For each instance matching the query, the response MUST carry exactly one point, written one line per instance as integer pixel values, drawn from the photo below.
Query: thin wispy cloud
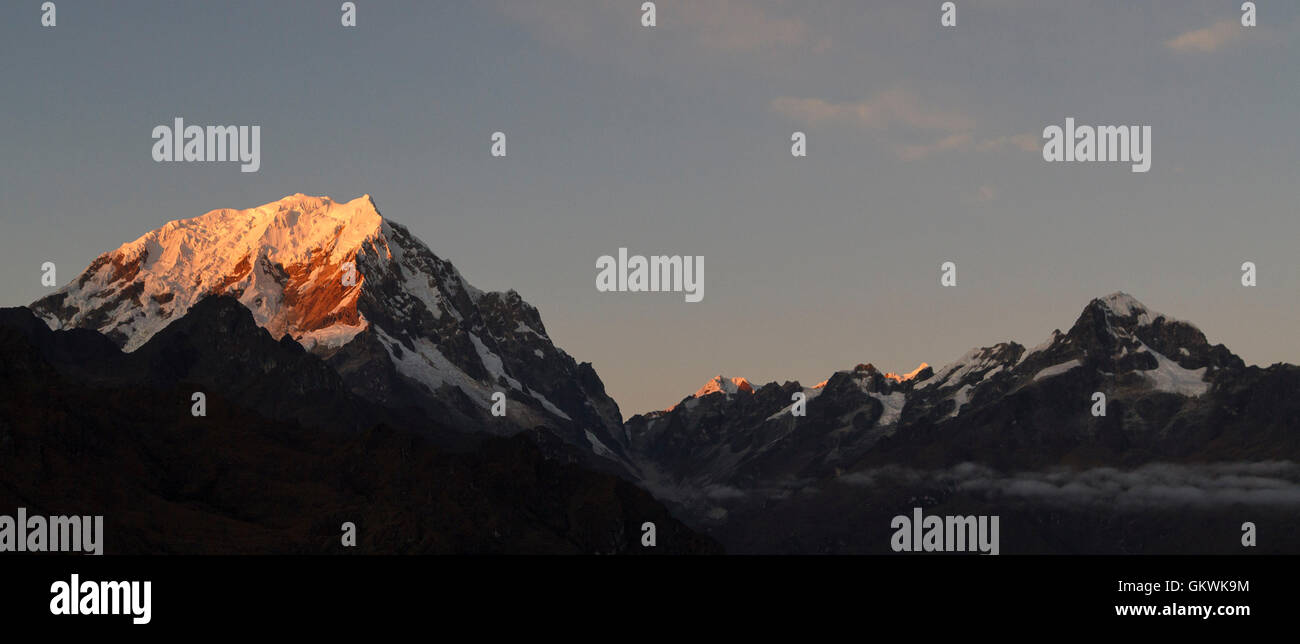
(904, 111)
(1209, 39)
(965, 141)
(731, 26)
(952, 142)
(746, 26)
(883, 110)
(1023, 142)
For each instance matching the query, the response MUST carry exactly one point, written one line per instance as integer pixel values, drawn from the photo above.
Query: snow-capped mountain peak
(1117, 335)
(358, 290)
(1125, 306)
(722, 384)
(718, 384)
(283, 260)
(911, 375)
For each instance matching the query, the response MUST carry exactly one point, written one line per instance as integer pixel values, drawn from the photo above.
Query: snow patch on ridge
(960, 398)
(1043, 346)
(1057, 369)
(492, 362)
(548, 405)
(1169, 376)
(808, 392)
(426, 365)
(975, 360)
(599, 448)
(893, 407)
(332, 337)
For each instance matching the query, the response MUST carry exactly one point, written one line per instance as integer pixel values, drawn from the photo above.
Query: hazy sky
(924, 147)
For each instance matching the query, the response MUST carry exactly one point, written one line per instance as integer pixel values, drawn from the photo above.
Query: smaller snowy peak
(1117, 334)
(1126, 307)
(722, 384)
(867, 378)
(1109, 326)
(1114, 328)
(719, 384)
(911, 375)
(1125, 311)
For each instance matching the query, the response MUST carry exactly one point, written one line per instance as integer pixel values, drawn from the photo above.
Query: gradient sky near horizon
(924, 146)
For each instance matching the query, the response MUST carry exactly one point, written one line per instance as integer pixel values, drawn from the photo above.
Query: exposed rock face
(284, 456)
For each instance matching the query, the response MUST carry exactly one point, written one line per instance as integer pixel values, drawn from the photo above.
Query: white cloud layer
(1157, 484)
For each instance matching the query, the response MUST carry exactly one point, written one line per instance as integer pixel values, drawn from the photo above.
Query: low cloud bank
(1164, 484)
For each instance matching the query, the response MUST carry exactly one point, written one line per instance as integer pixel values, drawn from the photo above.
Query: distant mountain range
(319, 371)
(741, 462)
(1004, 404)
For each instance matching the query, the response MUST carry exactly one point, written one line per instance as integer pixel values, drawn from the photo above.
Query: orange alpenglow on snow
(724, 385)
(905, 377)
(287, 261)
(721, 384)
